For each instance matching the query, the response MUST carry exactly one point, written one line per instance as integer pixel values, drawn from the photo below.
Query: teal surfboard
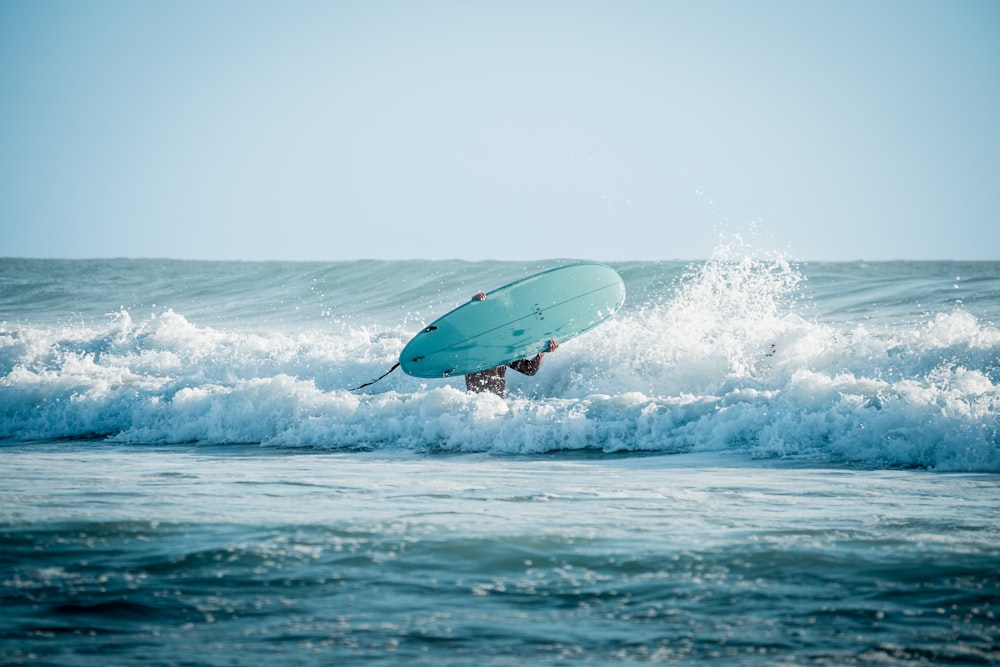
(515, 321)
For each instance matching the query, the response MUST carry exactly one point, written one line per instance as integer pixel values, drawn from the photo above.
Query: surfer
(495, 379)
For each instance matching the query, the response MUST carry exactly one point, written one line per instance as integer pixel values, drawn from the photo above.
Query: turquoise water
(755, 462)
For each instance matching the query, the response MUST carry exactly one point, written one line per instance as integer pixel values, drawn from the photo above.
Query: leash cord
(367, 384)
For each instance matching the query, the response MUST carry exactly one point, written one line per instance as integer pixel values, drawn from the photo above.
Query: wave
(727, 355)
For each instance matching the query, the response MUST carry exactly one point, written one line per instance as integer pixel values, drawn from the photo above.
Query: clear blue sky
(234, 129)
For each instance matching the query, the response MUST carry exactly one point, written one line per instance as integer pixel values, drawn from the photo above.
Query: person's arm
(531, 366)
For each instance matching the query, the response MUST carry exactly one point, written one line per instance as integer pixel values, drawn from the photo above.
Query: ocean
(756, 462)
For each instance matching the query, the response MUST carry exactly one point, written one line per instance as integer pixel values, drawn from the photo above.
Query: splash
(720, 324)
(716, 357)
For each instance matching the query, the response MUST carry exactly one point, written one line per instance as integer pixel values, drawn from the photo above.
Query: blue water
(756, 462)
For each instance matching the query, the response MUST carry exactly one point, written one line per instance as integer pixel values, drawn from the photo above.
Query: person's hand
(479, 297)
(552, 345)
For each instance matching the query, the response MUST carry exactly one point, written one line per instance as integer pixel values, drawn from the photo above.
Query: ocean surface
(756, 462)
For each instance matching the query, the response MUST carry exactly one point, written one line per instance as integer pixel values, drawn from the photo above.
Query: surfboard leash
(367, 384)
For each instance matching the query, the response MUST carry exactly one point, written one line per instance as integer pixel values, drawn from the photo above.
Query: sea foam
(730, 355)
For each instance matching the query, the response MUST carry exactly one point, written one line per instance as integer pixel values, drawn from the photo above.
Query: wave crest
(719, 358)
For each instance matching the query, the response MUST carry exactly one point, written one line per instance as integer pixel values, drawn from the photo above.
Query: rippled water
(755, 462)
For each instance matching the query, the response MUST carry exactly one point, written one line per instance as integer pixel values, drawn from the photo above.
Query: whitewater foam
(733, 354)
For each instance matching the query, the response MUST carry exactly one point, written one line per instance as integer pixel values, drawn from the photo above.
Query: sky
(617, 130)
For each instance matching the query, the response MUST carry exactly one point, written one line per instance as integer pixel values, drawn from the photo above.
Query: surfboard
(515, 321)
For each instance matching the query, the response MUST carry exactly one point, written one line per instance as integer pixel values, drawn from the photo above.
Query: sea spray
(739, 353)
(756, 462)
